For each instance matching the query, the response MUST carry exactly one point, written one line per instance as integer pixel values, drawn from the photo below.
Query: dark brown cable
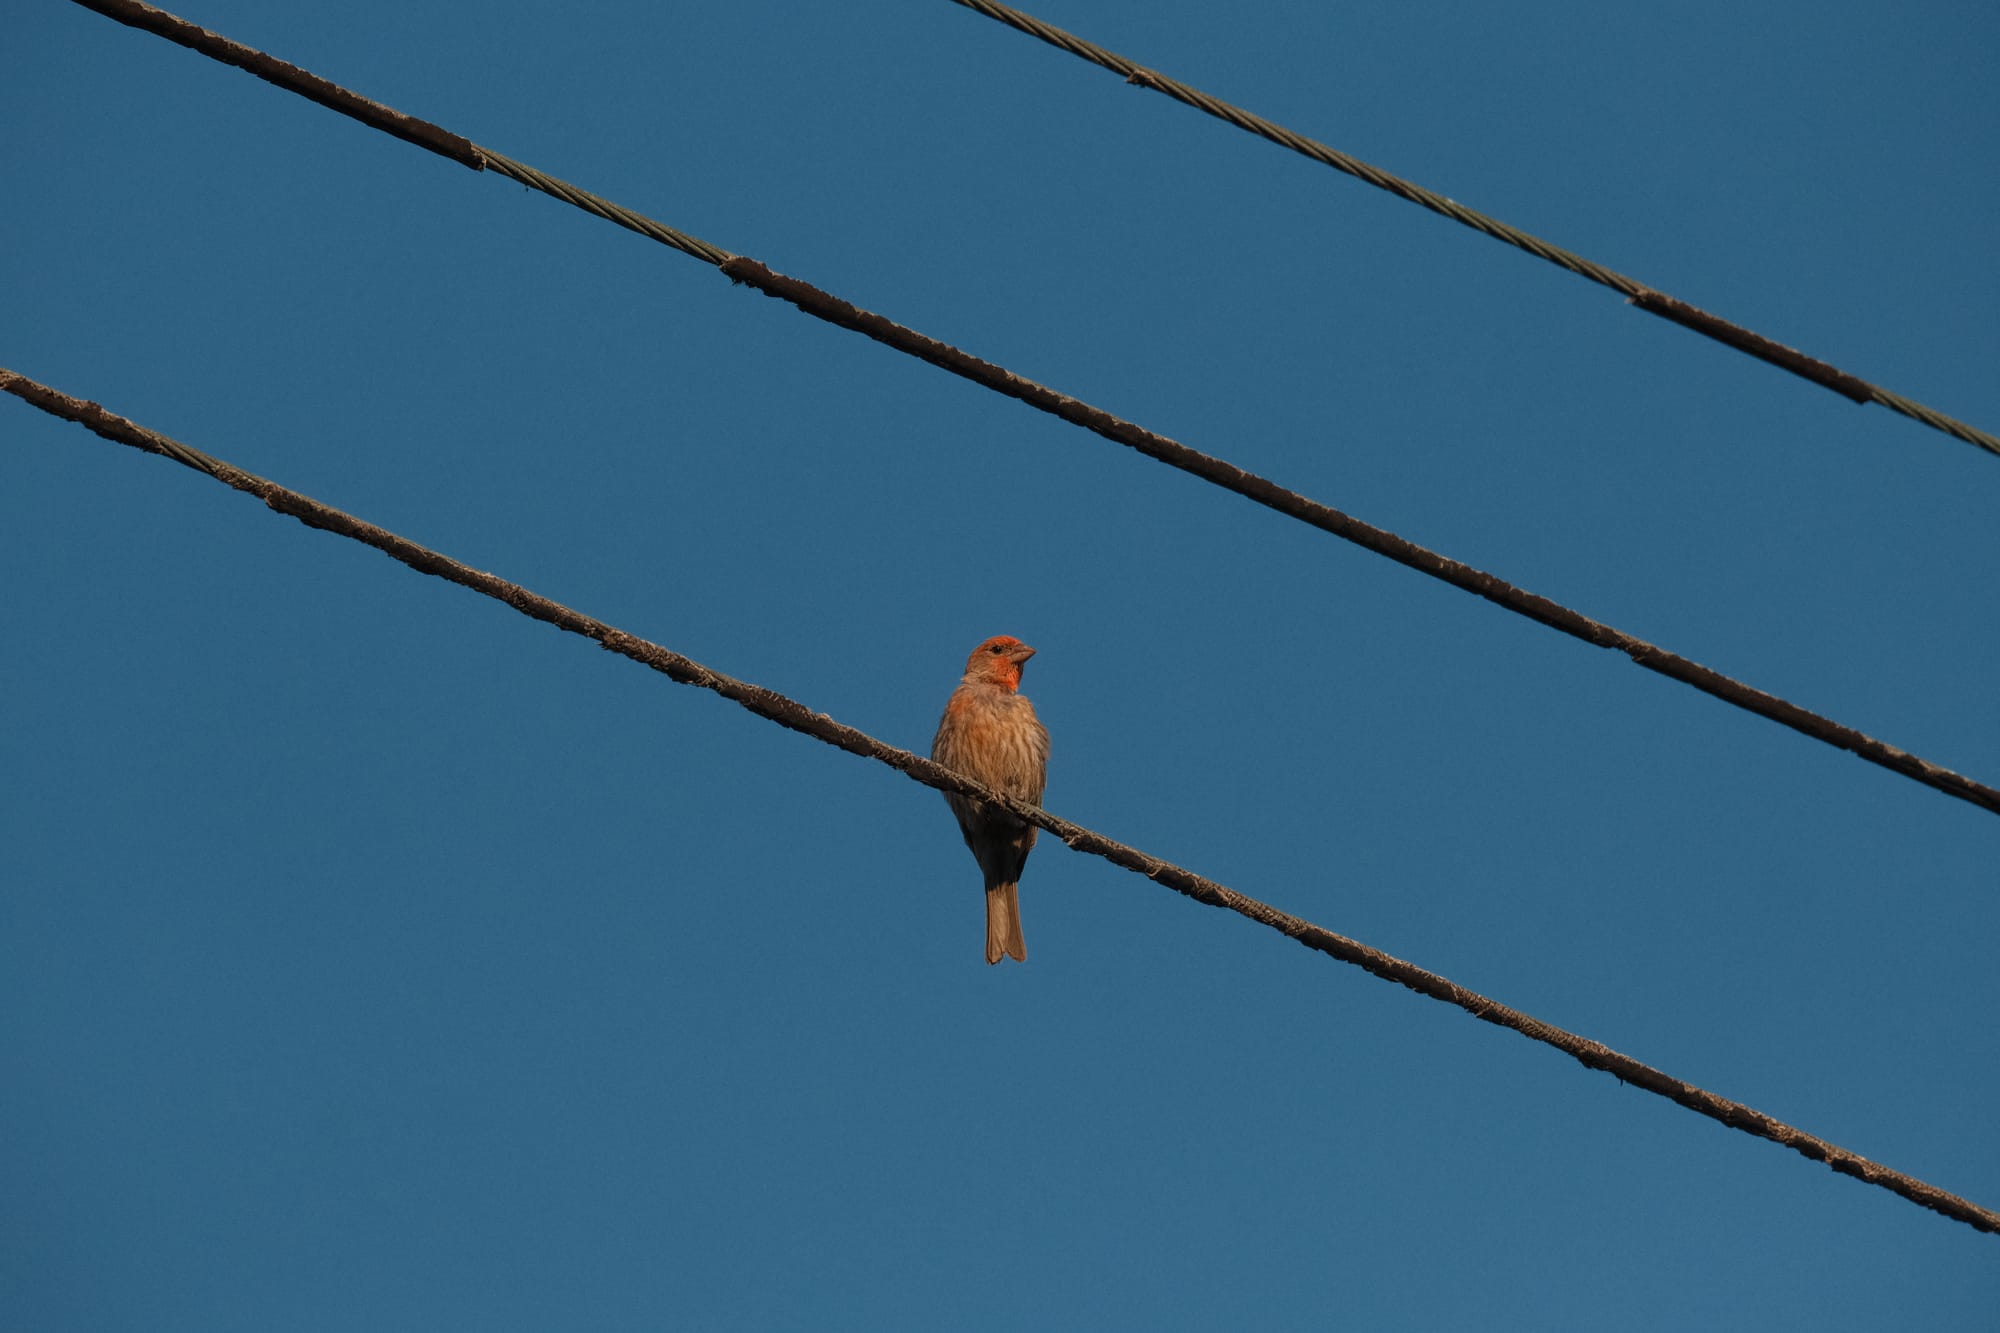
(824, 306)
(786, 712)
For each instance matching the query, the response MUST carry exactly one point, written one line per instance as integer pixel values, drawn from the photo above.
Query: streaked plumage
(990, 733)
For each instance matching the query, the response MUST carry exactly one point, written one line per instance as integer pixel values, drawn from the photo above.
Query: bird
(990, 733)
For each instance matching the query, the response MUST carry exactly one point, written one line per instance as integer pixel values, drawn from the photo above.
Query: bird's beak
(1020, 653)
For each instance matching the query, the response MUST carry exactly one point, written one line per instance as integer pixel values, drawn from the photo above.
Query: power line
(459, 149)
(1216, 471)
(1640, 295)
(787, 712)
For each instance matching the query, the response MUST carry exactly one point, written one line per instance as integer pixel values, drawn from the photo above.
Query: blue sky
(373, 957)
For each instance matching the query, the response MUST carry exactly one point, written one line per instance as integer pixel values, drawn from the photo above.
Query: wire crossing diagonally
(1640, 295)
(787, 712)
(1216, 471)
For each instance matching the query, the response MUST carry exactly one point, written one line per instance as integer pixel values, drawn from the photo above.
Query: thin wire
(1216, 471)
(1327, 519)
(459, 149)
(787, 712)
(1640, 295)
(599, 206)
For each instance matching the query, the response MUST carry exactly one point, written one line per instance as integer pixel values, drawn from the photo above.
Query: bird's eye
(994, 649)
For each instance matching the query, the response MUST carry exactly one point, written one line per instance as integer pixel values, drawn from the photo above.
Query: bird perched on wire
(990, 733)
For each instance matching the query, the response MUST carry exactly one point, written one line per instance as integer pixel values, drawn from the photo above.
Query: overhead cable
(787, 712)
(1640, 295)
(1216, 471)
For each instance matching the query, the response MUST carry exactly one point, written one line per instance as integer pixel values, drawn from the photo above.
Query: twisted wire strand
(1645, 298)
(787, 712)
(605, 208)
(1216, 471)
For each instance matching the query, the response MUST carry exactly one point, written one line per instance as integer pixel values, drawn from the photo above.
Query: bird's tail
(1003, 923)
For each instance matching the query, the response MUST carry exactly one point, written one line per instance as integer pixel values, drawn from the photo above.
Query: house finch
(990, 733)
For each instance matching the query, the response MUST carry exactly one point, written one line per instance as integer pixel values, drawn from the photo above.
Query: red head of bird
(998, 661)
